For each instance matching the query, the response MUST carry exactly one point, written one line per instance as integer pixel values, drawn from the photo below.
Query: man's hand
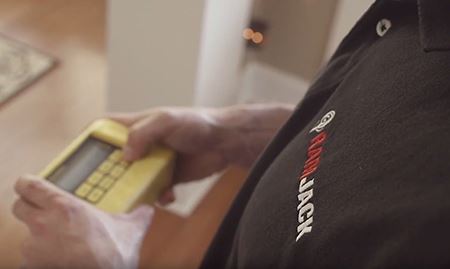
(66, 232)
(206, 140)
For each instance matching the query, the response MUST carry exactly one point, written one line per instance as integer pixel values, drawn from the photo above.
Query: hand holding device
(66, 232)
(92, 168)
(207, 140)
(195, 134)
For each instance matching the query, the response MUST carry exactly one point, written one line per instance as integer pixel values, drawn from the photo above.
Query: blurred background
(64, 63)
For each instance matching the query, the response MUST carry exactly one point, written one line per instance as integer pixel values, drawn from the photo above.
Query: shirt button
(383, 26)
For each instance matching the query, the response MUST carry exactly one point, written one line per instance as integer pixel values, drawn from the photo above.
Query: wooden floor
(39, 122)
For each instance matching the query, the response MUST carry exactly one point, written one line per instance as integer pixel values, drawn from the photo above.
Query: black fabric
(380, 167)
(434, 23)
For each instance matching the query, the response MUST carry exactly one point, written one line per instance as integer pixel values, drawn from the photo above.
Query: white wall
(153, 48)
(222, 51)
(346, 15)
(263, 83)
(297, 34)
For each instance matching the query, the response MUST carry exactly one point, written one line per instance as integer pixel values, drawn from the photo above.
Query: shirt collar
(434, 24)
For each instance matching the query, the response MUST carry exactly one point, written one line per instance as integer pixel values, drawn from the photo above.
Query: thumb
(38, 191)
(145, 133)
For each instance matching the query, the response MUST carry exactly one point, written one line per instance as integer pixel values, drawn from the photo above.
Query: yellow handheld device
(91, 168)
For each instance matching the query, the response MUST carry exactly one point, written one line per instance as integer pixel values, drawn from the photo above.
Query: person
(358, 175)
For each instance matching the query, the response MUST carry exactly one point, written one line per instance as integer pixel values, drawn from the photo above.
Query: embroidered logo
(320, 125)
(305, 206)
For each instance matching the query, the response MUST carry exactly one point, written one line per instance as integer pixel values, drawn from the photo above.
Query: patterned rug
(20, 65)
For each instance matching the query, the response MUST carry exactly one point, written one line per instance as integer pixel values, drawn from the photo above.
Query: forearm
(245, 130)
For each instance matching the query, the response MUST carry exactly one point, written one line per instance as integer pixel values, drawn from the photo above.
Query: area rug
(20, 65)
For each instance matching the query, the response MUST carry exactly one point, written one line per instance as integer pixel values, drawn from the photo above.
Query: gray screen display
(81, 164)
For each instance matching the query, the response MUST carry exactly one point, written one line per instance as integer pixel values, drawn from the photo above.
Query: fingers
(40, 201)
(144, 133)
(29, 215)
(32, 190)
(24, 211)
(36, 191)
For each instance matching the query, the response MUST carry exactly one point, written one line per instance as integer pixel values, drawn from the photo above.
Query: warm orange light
(258, 37)
(248, 33)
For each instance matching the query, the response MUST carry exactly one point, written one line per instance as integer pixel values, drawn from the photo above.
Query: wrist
(243, 131)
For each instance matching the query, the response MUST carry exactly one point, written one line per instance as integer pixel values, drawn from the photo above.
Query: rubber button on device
(117, 171)
(105, 167)
(83, 190)
(95, 195)
(107, 182)
(94, 178)
(116, 156)
(124, 164)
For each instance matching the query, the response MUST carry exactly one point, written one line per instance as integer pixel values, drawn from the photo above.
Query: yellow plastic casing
(142, 182)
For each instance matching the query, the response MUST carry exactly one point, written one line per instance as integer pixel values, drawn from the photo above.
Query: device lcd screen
(70, 174)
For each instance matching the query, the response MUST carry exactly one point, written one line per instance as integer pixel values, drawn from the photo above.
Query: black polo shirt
(359, 176)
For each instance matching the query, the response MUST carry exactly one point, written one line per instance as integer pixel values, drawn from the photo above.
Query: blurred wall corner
(153, 49)
(193, 52)
(298, 32)
(292, 51)
(222, 52)
(262, 83)
(293, 47)
(347, 13)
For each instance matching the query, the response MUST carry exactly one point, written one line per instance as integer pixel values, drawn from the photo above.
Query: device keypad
(83, 190)
(95, 178)
(105, 167)
(116, 156)
(106, 182)
(117, 171)
(103, 178)
(95, 195)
